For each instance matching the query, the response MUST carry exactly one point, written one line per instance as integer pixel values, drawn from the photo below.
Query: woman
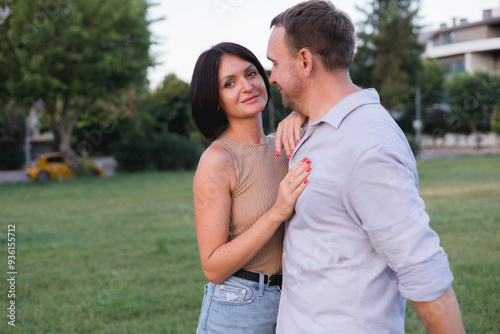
(242, 193)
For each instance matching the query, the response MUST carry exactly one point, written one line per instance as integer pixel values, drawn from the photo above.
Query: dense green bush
(495, 120)
(159, 134)
(12, 156)
(472, 99)
(11, 140)
(178, 152)
(167, 151)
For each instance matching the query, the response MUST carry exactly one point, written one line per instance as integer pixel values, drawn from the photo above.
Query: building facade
(466, 46)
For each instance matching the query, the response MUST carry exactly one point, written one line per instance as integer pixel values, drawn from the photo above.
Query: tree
(431, 82)
(388, 53)
(495, 123)
(431, 79)
(495, 120)
(71, 53)
(169, 108)
(158, 136)
(11, 138)
(472, 98)
(97, 128)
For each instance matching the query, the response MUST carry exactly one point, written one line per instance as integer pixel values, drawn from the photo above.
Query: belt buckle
(272, 279)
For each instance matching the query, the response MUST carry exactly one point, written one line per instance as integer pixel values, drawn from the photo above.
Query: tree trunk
(64, 127)
(70, 155)
(477, 135)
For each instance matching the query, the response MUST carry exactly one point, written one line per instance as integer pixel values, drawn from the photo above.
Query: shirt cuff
(427, 281)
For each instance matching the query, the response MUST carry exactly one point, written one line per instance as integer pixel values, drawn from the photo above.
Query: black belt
(253, 276)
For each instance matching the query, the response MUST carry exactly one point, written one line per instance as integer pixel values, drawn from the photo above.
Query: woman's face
(242, 91)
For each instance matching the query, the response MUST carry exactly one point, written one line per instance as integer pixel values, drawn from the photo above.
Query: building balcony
(448, 50)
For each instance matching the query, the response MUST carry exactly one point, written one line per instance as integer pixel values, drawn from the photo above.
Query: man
(359, 243)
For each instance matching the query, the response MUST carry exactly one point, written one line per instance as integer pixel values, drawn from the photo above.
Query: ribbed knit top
(259, 173)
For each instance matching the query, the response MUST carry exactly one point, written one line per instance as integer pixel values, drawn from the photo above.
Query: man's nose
(272, 80)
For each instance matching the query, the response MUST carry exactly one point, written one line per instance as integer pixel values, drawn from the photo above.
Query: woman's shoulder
(216, 155)
(215, 160)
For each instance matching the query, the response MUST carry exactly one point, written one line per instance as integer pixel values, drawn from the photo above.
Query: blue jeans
(239, 306)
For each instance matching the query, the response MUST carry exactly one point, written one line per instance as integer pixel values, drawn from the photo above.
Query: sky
(183, 29)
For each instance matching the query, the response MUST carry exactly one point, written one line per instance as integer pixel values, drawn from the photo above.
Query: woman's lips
(250, 98)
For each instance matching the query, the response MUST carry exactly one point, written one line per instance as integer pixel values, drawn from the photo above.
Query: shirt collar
(349, 103)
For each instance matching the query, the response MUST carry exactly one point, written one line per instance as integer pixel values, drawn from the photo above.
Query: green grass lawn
(119, 254)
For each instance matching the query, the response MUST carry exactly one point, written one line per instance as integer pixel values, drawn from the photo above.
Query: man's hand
(288, 133)
(441, 316)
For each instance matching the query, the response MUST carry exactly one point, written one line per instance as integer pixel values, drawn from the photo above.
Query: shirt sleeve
(383, 198)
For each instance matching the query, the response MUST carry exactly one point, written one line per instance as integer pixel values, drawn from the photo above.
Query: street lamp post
(417, 123)
(27, 141)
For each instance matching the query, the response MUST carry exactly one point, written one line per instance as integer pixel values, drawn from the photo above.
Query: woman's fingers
(302, 185)
(285, 134)
(288, 133)
(291, 134)
(296, 133)
(298, 174)
(291, 187)
(278, 143)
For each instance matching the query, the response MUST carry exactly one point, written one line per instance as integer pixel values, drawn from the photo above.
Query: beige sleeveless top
(259, 173)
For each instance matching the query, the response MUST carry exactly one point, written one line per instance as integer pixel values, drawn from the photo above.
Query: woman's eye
(228, 84)
(252, 74)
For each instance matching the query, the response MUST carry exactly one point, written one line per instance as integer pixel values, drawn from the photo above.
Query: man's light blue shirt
(359, 242)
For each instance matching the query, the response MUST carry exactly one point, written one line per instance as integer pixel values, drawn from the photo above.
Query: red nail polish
(288, 156)
(308, 170)
(297, 142)
(292, 151)
(308, 161)
(305, 181)
(304, 160)
(277, 153)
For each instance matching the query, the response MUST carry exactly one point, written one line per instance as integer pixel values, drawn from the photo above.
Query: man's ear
(306, 60)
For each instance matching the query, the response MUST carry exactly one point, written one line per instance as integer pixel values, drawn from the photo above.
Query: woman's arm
(212, 185)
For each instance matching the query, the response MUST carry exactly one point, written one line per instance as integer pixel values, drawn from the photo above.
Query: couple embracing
(356, 243)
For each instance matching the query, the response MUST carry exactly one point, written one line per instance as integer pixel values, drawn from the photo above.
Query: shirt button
(222, 287)
(244, 291)
(284, 255)
(293, 160)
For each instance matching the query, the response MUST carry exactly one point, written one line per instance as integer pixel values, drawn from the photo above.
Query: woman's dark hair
(204, 95)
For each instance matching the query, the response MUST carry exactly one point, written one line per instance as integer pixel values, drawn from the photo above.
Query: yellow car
(52, 166)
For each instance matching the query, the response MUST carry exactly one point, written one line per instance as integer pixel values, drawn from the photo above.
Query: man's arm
(442, 315)
(382, 194)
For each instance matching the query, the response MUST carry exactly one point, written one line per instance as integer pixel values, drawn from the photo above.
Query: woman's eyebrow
(233, 75)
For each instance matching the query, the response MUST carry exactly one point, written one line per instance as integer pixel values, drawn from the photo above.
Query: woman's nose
(247, 85)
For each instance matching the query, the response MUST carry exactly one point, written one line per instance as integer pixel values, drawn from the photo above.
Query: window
(55, 159)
